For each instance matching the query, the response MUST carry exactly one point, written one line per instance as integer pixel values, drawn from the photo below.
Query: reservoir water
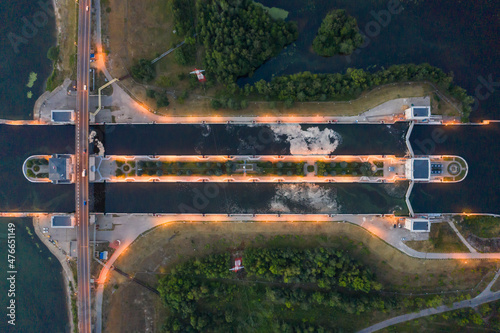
(39, 286)
(19, 59)
(457, 36)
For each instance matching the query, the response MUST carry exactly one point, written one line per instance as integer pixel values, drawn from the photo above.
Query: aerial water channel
(476, 143)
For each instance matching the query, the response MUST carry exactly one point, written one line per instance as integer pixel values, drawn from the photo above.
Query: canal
(477, 144)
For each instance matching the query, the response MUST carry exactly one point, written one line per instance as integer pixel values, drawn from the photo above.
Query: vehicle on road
(84, 87)
(84, 172)
(87, 9)
(85, 203)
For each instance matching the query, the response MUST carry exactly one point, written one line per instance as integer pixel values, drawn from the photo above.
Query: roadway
(82, 161)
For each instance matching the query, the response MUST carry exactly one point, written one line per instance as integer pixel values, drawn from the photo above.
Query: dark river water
(479, 191)
(457, 36)
(247, 140)
(479, 145)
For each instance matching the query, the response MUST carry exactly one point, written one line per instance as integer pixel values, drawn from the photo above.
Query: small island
(338, 34)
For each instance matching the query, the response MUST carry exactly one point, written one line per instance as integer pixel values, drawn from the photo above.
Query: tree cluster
(323, 266)
(239, 36)
(306, 86)
(338, 34)
(184, 15)
(143, 71)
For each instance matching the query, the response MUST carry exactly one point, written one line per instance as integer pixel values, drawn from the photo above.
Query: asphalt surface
(82, 162)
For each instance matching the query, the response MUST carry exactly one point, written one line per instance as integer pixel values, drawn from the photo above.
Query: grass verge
(442, 239)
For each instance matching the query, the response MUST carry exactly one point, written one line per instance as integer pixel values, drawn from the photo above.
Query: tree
(143, 71)
(53, 53)
(161, 99)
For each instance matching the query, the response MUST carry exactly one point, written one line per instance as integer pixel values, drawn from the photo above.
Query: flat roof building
(60, 169)
(61, 221)
(62, 116)
(418, 169)
(418, 113)
(418, 225)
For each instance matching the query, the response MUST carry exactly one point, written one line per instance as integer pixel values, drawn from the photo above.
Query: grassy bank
(64, 66)
(479, 225)
(442, 239)
(164, 247)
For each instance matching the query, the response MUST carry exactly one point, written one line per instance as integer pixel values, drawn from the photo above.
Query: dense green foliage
(322, 266)
(161, 99)
(203, 296)
(306, 86)
(185, 55)
(53, 53)
(143, 71)
(239, 36)
(184, 15)
(338, 34)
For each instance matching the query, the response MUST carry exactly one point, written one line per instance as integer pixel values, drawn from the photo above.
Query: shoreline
(66, 270)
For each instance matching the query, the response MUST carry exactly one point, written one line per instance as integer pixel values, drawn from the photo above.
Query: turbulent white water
(311, 141)
(310, 198)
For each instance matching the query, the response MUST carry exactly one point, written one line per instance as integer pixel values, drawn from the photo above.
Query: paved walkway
(485, 297)
(466, 243)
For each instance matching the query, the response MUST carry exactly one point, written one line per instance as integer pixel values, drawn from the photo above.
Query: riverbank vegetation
(306, 86)
(232, 41)
(64, 60)
(338, 34)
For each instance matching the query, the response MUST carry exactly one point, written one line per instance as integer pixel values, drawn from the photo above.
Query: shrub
(343, 165)
(216, 104)
(30, 173)
(143, 71)
(150, 93)
(310, 168)
(29, 164)
(36, 168)
(53, 53)
(161, 99)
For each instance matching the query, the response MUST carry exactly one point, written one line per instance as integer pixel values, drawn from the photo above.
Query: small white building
(417, 224)
(418, 113)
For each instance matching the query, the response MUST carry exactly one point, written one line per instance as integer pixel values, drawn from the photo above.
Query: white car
(87, 8)
(84, 87)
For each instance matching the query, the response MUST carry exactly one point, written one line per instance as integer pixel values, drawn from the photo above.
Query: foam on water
(304, 198)
(311, 141)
